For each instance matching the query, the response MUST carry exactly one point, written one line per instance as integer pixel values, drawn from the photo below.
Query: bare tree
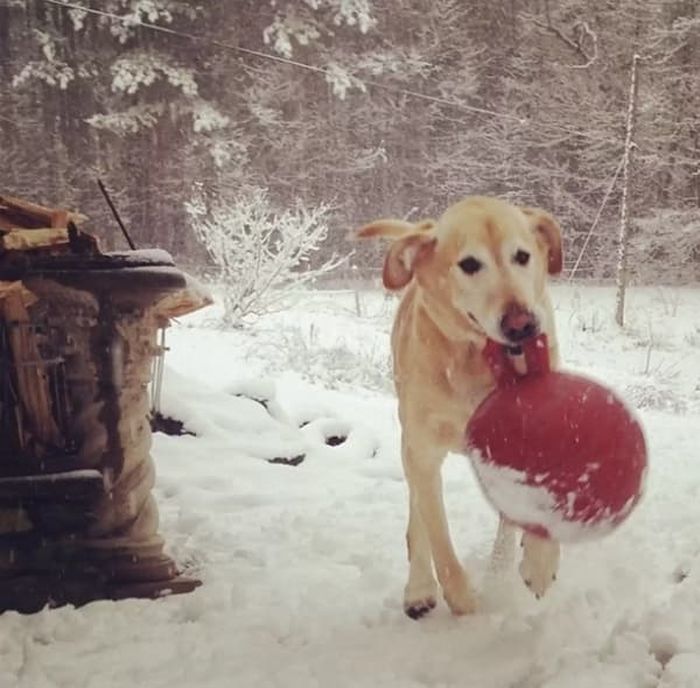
(623, 247)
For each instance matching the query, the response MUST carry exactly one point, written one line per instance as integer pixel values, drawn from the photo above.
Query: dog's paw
(419, 600)
(540, 563)
(460, 596)
(419, 608)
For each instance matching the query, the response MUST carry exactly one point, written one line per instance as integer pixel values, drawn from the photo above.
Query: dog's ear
(411, 244)
(393, 229)
(403, 258)
(548, 232)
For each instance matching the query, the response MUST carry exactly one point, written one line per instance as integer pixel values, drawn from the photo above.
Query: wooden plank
(70, 486)
(28, 592)
(193, 297)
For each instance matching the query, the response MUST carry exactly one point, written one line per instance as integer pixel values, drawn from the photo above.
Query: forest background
(364, 108)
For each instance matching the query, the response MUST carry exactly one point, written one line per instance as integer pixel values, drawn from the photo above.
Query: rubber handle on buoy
(536, 353)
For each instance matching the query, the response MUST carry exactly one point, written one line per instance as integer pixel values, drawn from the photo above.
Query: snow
(144, 256)
(537, 506)
(304, 567)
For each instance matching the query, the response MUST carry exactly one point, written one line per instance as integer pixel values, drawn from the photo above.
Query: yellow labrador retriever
(478, 272)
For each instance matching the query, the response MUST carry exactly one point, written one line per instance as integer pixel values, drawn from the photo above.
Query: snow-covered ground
(304, 566)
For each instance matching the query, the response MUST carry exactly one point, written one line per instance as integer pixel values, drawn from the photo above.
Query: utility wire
(325, 72)
(283, 60)
(368, 82)
(594, 224)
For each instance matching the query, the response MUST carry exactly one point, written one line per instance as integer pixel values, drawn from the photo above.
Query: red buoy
(556, 453)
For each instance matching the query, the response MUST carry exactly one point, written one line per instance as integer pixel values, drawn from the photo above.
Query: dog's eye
(470, 265)
(522, 257)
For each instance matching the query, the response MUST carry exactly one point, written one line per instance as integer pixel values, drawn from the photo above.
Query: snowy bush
(261, 253)
(666, 248)
(655, 397)
(692, 337)
(340, 365)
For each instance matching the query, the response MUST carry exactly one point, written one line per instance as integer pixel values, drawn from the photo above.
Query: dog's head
(483, 265)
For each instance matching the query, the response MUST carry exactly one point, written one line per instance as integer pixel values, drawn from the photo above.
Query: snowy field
(304, 566)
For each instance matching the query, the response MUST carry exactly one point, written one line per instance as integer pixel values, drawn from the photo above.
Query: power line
(322, 70)
(287, 61)
(325, 72)
(611, 186)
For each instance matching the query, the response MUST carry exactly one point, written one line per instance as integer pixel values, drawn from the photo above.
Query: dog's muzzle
(518, 324)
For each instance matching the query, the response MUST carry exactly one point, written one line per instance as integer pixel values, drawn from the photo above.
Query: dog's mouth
(482, 330)
(478, 326)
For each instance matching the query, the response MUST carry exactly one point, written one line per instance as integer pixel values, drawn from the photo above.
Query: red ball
(559, 455)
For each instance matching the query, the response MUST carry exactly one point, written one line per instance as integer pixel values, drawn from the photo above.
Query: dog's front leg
(420, 593)
(428, 529)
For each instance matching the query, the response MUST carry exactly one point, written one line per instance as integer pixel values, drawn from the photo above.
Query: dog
(479, 272)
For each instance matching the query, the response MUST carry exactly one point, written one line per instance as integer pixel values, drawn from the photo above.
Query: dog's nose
(518, 323)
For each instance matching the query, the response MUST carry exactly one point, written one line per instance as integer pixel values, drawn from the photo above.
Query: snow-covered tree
(261, 253)
(538, 92)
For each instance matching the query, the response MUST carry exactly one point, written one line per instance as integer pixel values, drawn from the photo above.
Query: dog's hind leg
(497, 586)
(503, 552)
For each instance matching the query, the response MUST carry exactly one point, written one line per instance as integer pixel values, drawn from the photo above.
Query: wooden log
(35, 239)
(18, 213)
(17, 288)
(31, 377)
